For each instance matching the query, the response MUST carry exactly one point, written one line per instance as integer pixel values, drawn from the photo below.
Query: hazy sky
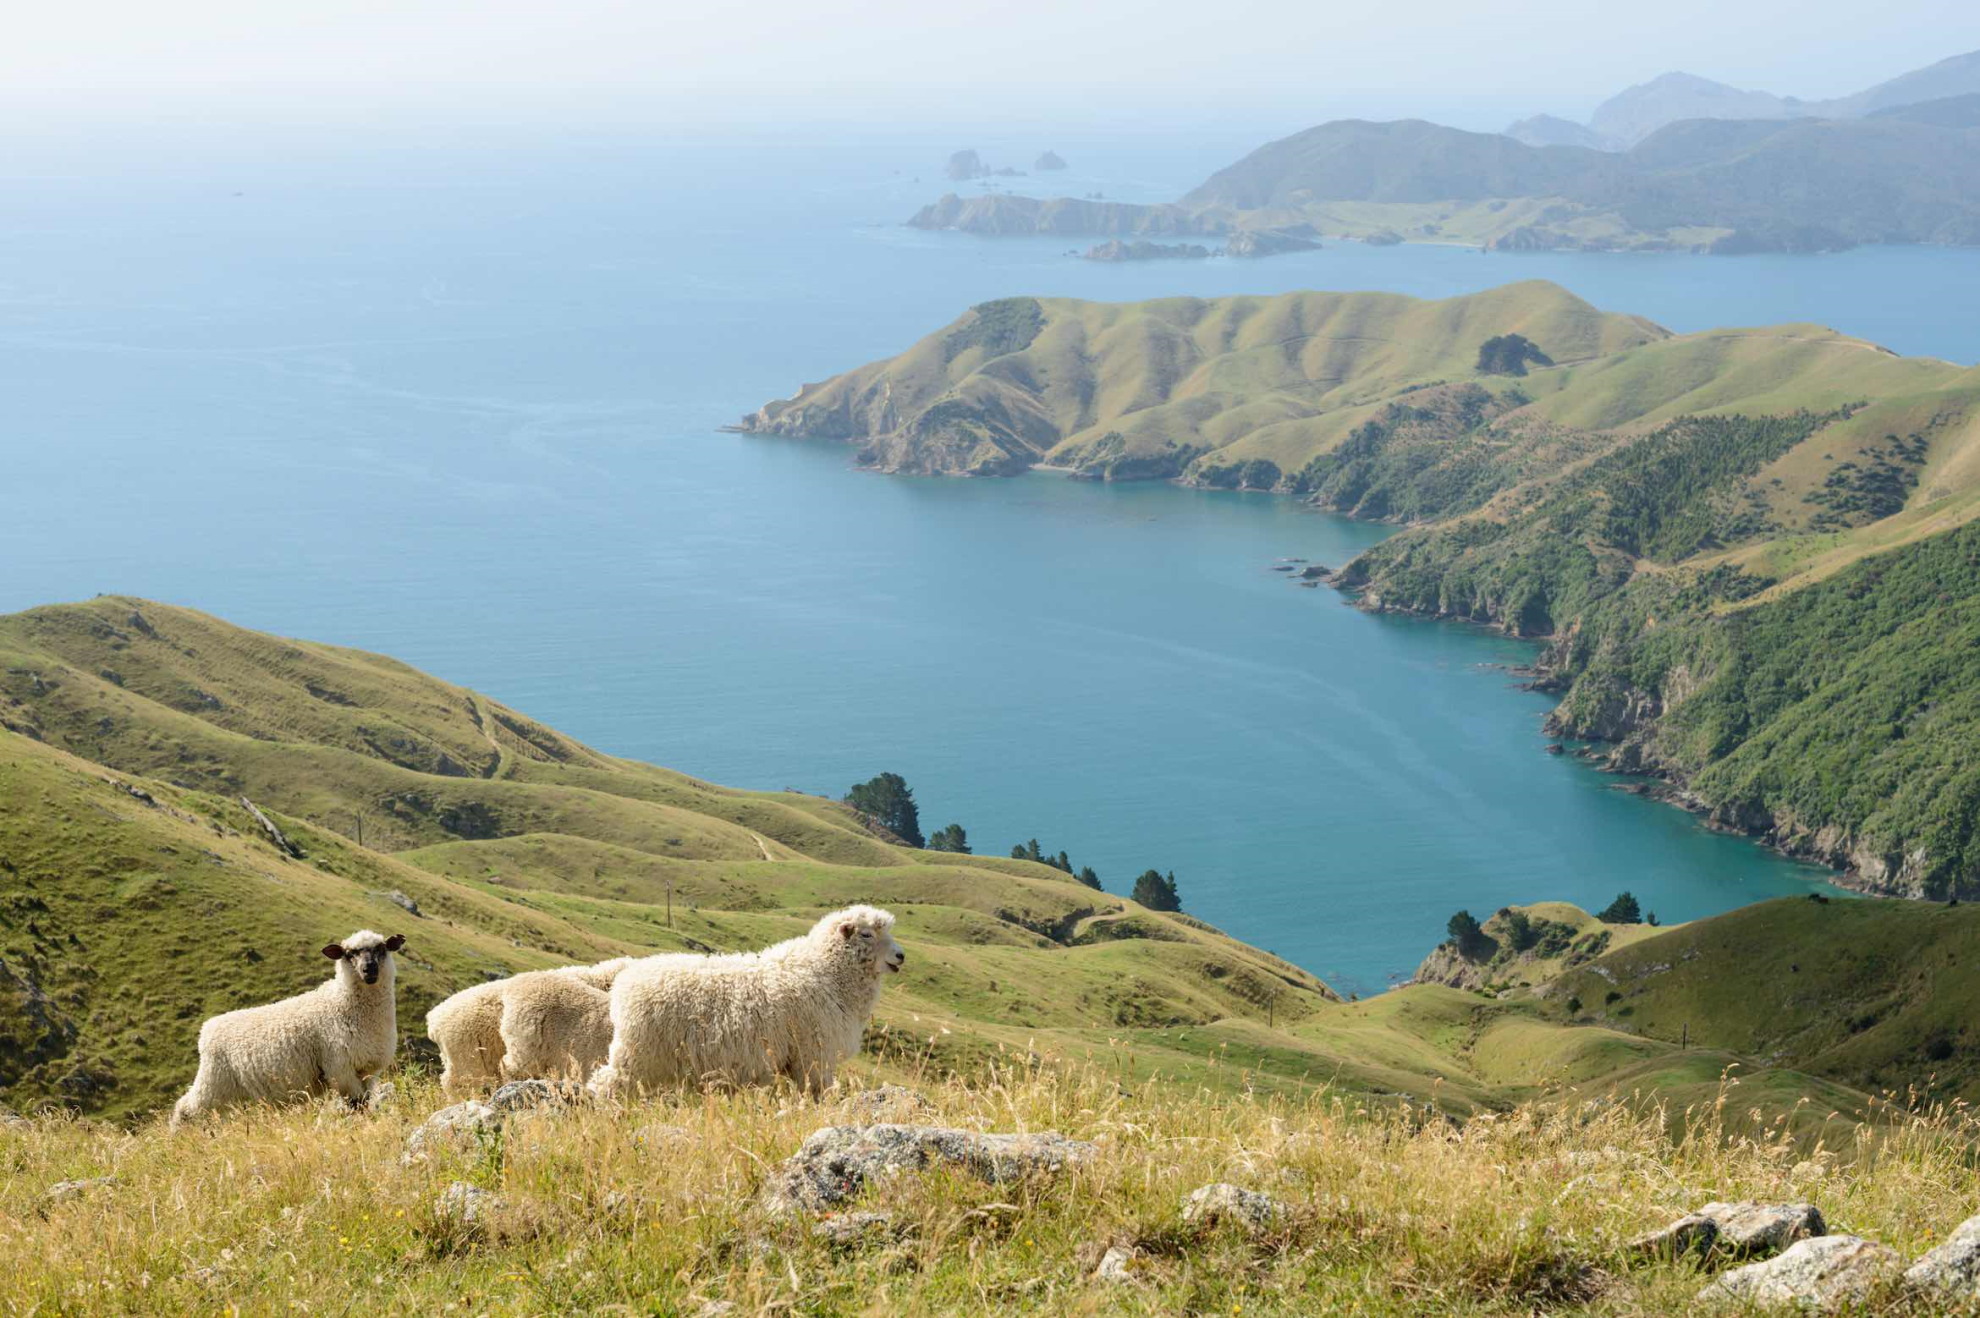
(1172, 60)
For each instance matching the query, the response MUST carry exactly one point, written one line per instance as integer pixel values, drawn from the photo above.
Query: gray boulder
(1223, 1202)
(461, 1126)
(1821, 1272)
(11, 1120)
(1747, 1230)
(1953, 1269)
(836, 1163)
(1694, 1233)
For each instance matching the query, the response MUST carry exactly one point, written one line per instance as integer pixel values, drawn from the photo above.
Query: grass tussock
(654, 1208)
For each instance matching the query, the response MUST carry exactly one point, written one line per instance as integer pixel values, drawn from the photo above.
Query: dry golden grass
(654, 1209)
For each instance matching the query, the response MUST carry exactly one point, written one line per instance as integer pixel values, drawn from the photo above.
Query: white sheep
(335, 1038)
(793, 1011)
(537, 1025)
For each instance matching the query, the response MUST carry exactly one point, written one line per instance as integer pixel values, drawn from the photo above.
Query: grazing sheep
(557, 1025)
(333, 1039)
(793, 1011)
(535, 1025)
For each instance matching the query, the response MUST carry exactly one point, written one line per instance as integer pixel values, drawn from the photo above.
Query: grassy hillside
(1878, 995)
(657, 1210)
(124, 921)
(138, 895)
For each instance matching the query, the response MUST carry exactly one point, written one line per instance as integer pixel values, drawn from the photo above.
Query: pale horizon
(1106, 65)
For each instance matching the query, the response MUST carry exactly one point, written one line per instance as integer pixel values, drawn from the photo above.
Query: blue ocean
(460, 403)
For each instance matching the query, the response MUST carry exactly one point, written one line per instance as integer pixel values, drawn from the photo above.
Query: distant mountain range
(1635, 113)
(1899, 174)
(1680, 163)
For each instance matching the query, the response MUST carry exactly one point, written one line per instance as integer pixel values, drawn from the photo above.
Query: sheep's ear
(847, 930)
(395, 942)
(334, 951)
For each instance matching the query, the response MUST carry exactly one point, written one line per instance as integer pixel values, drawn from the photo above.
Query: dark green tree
(950, 838)
(1466, 933)
(1157, 893)
(1508, 354)
(1088, 877)
(1623, 910)
(1062, 863)
(1519, 930)
(1028, 851)
(890, 801)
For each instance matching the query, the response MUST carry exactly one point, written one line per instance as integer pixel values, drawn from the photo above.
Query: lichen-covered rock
(11, 1120)
(459, 1127)
(1821, 1272)
(1223, 1202)
(1694, 1233)
(836, 1163)
(470, 1205)
(850, 1230)
(525, 1095)
(1953, 1269)
(1746, 1230)
(1116, 1266)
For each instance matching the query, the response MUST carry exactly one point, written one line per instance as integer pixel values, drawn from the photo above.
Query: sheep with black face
(336, 1038)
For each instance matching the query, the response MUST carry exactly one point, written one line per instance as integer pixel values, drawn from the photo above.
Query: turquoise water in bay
(461, 407)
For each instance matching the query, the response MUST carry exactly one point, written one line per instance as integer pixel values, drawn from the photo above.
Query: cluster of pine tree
(889, 802)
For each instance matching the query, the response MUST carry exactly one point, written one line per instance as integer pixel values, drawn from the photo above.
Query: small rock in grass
(1954, 1266)
(1223, 1202)
(469, 1204)
(885, 1102)
(1116, 1266)
(526, 1095)
(459, 1126)
(1820, 1272)
(63, 1191)
(1694, 1233)
(715, 1309)
(1749, 1229)
(847, 1230)
(835, 1163)
(11, 1120)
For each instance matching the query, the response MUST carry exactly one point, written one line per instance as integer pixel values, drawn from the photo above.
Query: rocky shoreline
(1627, 723)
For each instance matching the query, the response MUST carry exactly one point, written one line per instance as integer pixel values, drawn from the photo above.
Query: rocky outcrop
(1822, 1273)
(1048, 162)
(836, 1163)
(965, 165)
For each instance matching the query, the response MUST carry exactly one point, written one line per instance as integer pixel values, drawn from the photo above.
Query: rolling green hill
(1749, 549)
(139, 894)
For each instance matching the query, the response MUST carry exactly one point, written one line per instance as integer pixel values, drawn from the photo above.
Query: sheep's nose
(900, 958)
